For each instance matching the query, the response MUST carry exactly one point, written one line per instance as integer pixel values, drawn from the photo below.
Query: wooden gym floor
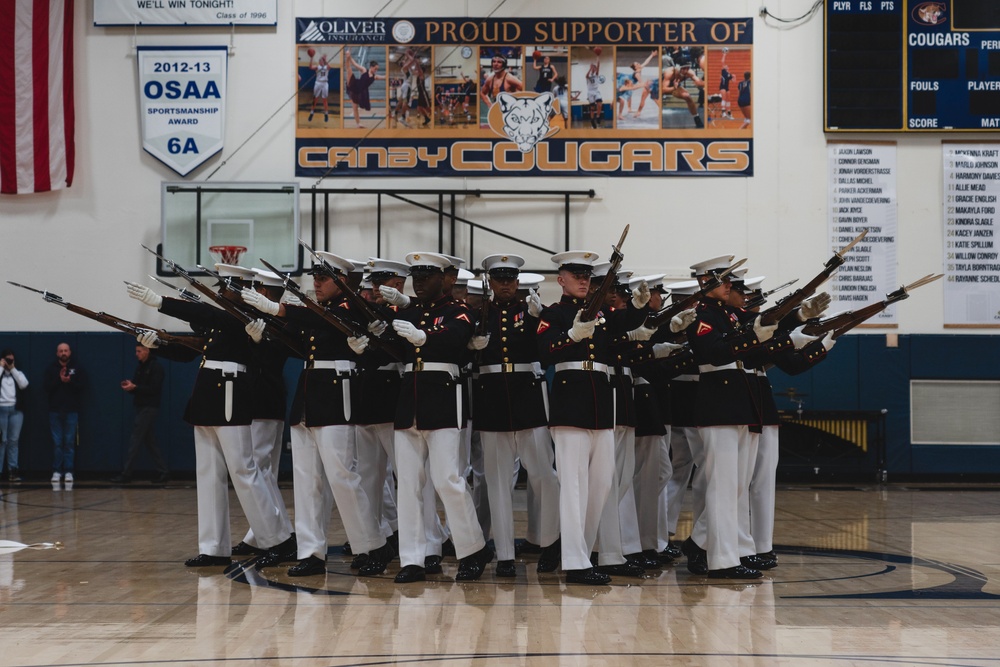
(868, 576)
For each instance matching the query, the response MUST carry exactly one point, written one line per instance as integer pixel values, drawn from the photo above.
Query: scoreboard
(911, 65)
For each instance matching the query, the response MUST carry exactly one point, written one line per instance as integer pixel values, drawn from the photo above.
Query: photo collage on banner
(490, 97)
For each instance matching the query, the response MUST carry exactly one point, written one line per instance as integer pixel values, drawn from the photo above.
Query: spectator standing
(12, 385)
(64, 383)
(146, 387)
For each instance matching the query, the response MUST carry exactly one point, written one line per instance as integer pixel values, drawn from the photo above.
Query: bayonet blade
(850, 245)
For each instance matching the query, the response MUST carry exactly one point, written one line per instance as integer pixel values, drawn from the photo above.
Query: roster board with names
(971, 264)
(862, 195)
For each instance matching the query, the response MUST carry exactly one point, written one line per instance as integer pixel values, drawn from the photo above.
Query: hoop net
(227, 254)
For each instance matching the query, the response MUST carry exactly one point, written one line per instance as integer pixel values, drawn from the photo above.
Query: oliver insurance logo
(523, 118)
(929, 13)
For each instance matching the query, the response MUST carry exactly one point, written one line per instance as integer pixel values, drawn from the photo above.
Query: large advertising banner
(182, 94)
(539, 97)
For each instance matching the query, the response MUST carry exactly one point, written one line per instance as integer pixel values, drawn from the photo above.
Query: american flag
(36, 95)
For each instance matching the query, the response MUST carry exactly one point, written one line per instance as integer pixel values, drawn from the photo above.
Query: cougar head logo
(523, 118)
(930, 13)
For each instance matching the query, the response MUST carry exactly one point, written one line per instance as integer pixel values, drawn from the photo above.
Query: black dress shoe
(622, 570)
(471, 567)
(697, 558)
(647, 560)
(550, 557)
(359, 561)
(767, 561)
(588, 576)
(505, 568)
(738, 572)
(672, 549)
(347, 549)
(409, 574)
(308, 567)
(432, 564)
(162, 478)
(378, 559)
(525, 547)
(666, 557)
(120, 479)
(244, 549)
(280, 553)
(204, 560)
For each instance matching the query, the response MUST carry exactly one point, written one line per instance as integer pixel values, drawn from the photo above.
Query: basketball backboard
(262, 217)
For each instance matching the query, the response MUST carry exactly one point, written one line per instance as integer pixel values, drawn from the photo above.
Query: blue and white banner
(540, 97)
(185, 12)
(182, 94)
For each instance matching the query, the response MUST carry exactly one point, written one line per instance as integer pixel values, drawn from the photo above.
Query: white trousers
(649, 451)
(229, 449)
(762, 485)
(618, 532)
(585, 465)
(440, 448)
(532, 446)
(729, 452)
(322, 457)
(267, 441)
(682, 441)
(375, 451)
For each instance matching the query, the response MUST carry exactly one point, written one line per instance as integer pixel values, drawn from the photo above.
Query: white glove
(148, 339)
(640, 295)
(291, 299)
(411, 333)
(358, 344)
(260, 302)
(800, 338)
(764, 332)
(255, 330)
(534, 303)
(829, 341)
(144, 294)
(641, 333)
(815, 306)
(377, 327)
(581, 330)
(661, 350)
(682, 320)
(478, 342)
(393, 296)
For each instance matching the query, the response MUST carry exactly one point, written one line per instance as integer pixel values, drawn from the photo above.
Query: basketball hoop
(227, 254)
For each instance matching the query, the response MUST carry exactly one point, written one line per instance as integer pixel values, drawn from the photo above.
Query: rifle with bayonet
(785, 306)
(272, 330)
(761, 298)
(596, 300)
(194, 342)
(187, 295)
(345, 326)
(356, 300)
(664, 316)
(869, 311)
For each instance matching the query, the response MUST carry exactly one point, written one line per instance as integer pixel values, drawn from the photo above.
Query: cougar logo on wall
(523, 118)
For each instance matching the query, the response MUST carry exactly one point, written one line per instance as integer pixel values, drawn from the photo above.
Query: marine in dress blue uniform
(581, 409)
(429, 416)
(729, 419)
(323, 433)
(221, 410)
(510, 412)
